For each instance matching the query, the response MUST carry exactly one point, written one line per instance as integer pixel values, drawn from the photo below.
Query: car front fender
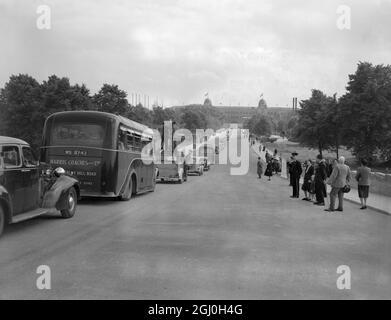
(54, 198)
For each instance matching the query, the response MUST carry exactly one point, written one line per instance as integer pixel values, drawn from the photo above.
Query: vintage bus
(102, 150)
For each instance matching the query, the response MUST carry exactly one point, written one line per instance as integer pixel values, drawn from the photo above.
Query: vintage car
(196, 166)
(29, 188)
(171, 170)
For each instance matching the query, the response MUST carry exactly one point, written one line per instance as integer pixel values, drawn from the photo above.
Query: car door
(12, 176)
(30, 172)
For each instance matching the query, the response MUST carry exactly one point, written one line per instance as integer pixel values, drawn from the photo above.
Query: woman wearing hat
(308, 173)
(269, 170)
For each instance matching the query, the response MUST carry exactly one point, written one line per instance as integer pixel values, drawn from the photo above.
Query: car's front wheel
(2, 220)
(71, 204)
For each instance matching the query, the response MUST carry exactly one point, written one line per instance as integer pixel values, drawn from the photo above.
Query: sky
(176, 51)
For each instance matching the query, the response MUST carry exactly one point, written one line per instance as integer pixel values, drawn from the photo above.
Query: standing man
(339, 178)
(296, 171)
(259, 168)
(289, 171)
(320, 181)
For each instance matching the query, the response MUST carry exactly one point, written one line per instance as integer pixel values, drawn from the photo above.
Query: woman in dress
(363, 179)
(308, 173)
(269, 170)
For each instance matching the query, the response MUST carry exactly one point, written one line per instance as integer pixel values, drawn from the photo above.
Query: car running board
(29, 215)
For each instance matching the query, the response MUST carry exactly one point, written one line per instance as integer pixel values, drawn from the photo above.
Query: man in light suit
(339, 178)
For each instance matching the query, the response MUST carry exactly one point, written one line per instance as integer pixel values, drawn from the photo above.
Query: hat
(294, 153)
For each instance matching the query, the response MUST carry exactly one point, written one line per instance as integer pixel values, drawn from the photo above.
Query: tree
(312, 129)
(80, 98)
(139, 114)
(193, 119)
(111, 99)
(159, 115)
(335, 124)
(263, 126)
(366, 112)
(259, 124)
(21, 100)
(59, 95)
(25, 102)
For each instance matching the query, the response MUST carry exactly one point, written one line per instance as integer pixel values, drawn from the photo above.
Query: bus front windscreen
(78, 134)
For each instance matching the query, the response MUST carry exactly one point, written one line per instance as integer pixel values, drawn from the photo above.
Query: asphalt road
(214, 237)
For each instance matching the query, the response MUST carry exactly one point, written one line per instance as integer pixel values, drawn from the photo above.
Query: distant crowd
(316, 175)
(273, 163)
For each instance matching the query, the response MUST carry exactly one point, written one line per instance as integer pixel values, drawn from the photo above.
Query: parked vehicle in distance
(196, 167)
(104, 151)
(29, 189)
(172, 171)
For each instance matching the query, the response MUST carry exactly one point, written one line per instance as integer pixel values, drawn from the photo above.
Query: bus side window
(137, 144)
(121, 140)
(129, 141)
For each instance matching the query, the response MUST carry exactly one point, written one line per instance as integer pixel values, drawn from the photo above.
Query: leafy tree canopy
(366, 111)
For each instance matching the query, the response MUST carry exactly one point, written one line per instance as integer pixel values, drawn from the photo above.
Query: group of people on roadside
(336, 173)
(320, 173)
(272, 164)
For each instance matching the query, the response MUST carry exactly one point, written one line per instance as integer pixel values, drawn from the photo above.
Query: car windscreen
(78, 134)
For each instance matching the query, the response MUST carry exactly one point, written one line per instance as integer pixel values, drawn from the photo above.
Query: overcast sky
(178, 50)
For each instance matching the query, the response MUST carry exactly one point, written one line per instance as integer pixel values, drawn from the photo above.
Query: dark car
(29, 189)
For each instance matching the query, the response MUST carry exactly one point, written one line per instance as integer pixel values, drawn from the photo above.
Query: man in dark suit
(296, 171)
(320, 180)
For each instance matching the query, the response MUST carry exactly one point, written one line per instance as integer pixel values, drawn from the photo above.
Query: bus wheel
(127, 195)
(2, 220)
(69, 212)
